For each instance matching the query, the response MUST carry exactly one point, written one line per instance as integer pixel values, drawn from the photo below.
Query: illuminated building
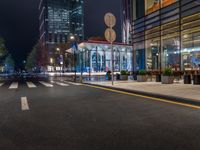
(166, 33)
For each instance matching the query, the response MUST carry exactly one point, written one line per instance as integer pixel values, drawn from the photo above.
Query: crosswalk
(14, 85)
(31, 85)
(46, 84)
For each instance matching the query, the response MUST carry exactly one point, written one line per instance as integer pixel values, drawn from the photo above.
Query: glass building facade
(76, 18)
(58, 20)
(127, 16)
(166, 35)
(96, 57)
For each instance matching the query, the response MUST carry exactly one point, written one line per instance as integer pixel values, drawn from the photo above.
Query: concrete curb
(171, 98)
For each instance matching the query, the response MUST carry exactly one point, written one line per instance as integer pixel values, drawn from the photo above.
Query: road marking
(14, 85)
(73, 83)
(59, 83)
(46, 84)
(24, 104)
(31, 85)
(1, 84)
(147, 97)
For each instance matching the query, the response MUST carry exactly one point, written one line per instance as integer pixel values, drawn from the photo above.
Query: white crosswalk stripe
(59, 83)
(31, 85)
(46, 84)
(73, 83)
(1, 84)
(14, 85)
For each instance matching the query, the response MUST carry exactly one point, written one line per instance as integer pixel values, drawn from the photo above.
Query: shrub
(124, 72)
(168, 72)
(142, 72)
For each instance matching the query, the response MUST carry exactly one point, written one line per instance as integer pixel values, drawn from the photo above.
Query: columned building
(166, 33)
(95, 56)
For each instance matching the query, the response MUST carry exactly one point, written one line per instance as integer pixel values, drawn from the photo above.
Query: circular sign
(110, 35)
(110, 20)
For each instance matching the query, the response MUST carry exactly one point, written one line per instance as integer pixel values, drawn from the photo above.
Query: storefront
(96, 57)
(168, 35)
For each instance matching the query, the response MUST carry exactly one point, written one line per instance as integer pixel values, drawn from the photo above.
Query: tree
(32, 59)
(3, 50)
(35, 58)
(9, 63)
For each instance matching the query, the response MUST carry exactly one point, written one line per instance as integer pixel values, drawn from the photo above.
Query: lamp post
(51, 62)
(60, 61)
(72, 38)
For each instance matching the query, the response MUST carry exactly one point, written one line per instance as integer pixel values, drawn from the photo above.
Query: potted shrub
(167, 77)
(142, 76)
(123, 75)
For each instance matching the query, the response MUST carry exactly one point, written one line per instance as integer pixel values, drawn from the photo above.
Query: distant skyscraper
(76, 18)
(58, 20)
(127, 16)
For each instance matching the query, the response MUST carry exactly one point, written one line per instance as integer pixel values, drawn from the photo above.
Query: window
(154, 5)
(171, 52)
(191, 50)
(140, 55)
(152, 54)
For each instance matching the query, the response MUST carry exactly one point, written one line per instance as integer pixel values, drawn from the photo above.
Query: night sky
(19, 23)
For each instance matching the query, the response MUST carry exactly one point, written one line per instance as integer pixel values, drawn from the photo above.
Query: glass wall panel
(123, 60)
(191, 50)
(139, 55)
(171, 52)
(152, 54)
(165, 3)
(108, 61)
(117, 59)
(154, 5)
(130, 61)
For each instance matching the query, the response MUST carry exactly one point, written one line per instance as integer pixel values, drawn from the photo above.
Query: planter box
(187, 79)
(118, 76)
(167, 79)
(123, 77)
(196, 79)
(134, 77)
(141, 78)
(158, 78)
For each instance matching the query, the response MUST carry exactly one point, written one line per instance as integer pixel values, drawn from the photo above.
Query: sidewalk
(177, 91)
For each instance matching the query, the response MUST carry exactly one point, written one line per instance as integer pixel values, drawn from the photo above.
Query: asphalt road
(64, 116)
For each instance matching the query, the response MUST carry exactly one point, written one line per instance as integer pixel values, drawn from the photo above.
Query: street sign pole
(110, 36)
(112, 58)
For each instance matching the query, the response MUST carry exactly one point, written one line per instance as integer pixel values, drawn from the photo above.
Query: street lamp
(61, 60)
(51, 62)
(58, 49)
(72, 38)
